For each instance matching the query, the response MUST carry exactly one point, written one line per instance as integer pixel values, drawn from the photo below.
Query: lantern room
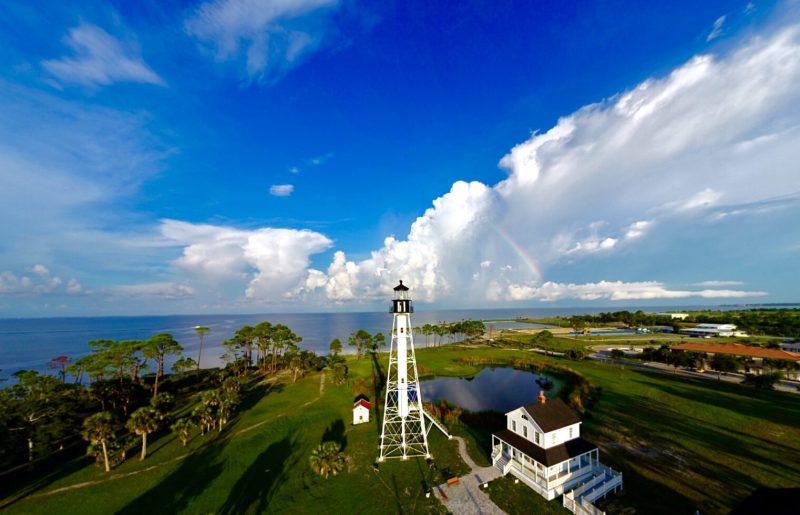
(402, 300)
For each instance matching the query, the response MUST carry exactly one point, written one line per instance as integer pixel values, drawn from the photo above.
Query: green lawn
(682, 444)
(519, 498)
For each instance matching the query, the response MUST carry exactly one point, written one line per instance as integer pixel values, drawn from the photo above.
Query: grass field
(682, 444)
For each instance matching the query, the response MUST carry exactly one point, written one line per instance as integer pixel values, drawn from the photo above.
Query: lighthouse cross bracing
(404, 433)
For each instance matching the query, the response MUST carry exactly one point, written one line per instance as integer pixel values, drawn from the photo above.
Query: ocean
(30, 343)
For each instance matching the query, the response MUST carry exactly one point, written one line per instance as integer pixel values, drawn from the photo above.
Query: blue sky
(248, 156)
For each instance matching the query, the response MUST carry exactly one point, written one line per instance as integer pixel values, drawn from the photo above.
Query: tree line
(453, 331)
(773, 370)
(120, 393)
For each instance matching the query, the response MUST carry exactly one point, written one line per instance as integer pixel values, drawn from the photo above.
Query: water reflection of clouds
(501, 389)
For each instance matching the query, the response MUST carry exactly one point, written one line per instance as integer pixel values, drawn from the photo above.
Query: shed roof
(738, 350)
(547, 457)
(362, 402)
(552, 415)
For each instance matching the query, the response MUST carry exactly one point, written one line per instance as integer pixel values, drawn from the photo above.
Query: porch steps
(579, 500)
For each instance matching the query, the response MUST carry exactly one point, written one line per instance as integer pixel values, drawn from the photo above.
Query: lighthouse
(403, 434)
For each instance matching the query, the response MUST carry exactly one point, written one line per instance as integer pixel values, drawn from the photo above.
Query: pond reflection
(499, 389)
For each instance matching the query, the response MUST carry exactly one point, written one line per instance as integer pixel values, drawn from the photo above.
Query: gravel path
(467, 497)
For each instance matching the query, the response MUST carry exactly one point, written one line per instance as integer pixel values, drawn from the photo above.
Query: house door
(505, 449)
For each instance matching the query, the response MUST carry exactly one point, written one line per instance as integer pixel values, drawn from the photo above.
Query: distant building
(361, 411)
(735, 349)
(542, 447)
(709, 330)
(791, 347)
(674, 316)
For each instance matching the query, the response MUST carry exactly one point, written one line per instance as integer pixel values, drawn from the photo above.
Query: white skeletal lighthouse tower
(403, 434)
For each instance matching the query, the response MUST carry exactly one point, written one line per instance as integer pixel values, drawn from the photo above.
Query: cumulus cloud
(431, 257)
(272, 261)
(615, 290)
(41, 283)
(666, 158)
(40, 270)
(268, 36)
(74, 286)
(100, 59)
(679, 154)
(637, 229)
(281, 190)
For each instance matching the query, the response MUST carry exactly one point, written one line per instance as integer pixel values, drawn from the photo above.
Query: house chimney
(542, 399)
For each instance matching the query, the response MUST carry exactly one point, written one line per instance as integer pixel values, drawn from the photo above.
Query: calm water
(500, 389)
(31, 342)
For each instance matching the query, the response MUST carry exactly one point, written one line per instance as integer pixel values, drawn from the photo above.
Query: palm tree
(144, 421)
(201, 332)
(157, 348)
(327, 459)
(205, 418)
(183, 428)
(98, 429)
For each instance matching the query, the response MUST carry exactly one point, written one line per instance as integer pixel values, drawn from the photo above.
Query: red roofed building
(735, 349)
(361, 411)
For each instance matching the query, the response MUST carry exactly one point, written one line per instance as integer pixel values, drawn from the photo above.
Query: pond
(499, 389)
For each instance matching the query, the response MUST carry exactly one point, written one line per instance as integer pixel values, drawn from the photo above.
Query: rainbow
(529, 262)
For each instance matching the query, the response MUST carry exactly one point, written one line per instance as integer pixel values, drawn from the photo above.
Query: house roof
(738, 350)
(546, 457)
(362, 402)
(552, 415)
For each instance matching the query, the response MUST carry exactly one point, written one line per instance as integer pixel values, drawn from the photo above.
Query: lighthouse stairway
(437, 424)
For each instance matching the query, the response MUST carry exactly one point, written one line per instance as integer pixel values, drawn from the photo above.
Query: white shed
(361, 411)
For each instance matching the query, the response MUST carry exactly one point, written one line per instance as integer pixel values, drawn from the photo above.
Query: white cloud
(74, 286)
(319, 160)
(42, 283)
(432, 257)
(700, 200)
(615, 291)
(167, 290)
(294, 170)
(716, 30)
(99, 60)
(669, 153)
(40, 270)
(272, 261)
(269, 36)
(67, 173)
(637, 229)
(281, 190)
(717, 284)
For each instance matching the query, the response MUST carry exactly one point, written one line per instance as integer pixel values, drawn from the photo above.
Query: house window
(536, 437)
(514, 425)
(525, 431)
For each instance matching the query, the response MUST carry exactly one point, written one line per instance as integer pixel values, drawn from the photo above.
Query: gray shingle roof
(552, 415)
(546, 457)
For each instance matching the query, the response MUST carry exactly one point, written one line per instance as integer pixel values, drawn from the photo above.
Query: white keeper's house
(543, 448)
